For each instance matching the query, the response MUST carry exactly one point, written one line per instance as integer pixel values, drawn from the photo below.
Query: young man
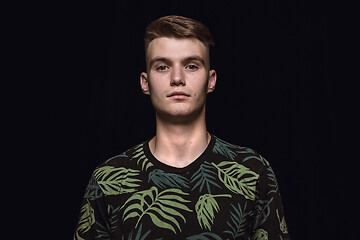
(184, 183)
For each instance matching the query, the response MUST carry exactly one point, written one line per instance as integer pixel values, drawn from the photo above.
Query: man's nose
(177, 77)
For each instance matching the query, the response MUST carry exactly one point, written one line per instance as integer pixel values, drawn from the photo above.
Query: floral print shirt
(229, 192)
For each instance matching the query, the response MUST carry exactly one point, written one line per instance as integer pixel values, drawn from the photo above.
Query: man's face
(178, 77)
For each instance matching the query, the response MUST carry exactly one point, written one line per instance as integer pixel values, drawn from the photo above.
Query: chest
(190, 205)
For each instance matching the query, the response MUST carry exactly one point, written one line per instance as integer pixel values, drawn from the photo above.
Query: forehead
(176, 48)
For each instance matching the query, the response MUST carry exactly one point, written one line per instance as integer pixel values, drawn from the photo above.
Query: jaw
(180, 113)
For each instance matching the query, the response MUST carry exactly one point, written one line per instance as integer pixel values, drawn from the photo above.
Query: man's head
(178, 75)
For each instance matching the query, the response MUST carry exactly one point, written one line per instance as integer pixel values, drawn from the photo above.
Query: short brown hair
(177, 27)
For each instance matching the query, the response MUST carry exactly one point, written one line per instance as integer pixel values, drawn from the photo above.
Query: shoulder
(125, 158)
(121, 173)
(242, 155)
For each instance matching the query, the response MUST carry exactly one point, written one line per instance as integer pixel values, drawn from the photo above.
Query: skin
(178, 79)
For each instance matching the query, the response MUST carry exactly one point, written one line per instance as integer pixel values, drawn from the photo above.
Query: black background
(274, 94)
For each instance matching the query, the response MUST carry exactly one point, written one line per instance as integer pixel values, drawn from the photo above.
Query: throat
(178, 151)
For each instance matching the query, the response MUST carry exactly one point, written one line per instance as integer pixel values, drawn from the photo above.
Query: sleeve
(93, 221)
(269, 221)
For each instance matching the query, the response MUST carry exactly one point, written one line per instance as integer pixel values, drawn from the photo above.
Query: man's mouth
(178, 95)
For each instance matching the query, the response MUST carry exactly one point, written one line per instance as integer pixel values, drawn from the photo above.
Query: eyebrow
(158, 59)
(186, 59)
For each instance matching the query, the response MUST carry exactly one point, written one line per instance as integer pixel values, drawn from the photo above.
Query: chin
(183, 115)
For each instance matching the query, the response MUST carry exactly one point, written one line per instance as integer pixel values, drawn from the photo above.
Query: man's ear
(144, 83)
(212, 81)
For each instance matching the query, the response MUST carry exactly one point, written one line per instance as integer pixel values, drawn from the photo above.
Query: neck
(177, 144)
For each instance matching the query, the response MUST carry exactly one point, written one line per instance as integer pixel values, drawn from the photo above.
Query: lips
(177, 94)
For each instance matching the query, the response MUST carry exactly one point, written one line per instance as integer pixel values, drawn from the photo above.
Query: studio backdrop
(273, 94)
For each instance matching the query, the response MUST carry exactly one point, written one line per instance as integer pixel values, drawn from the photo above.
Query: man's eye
(191, 67)
(162, 68)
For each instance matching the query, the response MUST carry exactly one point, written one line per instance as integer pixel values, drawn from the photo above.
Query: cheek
(155, 84)
(201, 85)
(200, 93)
(157, 91)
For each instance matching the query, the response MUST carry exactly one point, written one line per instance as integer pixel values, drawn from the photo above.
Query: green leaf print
(282, 222)
(273, 184)
(260, 234)
(138, 235)
(238, 178)
(206, 207)
(257, 158)
(140, 157)
(117, 180)
(104, 232)
(262, 208)
(224, 148)
(93, 190)
(205, 236)
(87, 219)
(166, 180)
(205, 176)
(238, 221)
(163, 208)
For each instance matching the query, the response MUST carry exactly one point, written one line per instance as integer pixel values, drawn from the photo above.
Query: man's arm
(93, 220)
(269, 221)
